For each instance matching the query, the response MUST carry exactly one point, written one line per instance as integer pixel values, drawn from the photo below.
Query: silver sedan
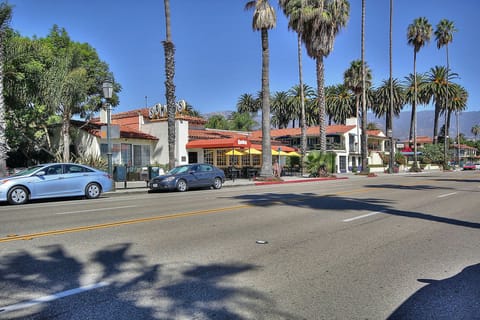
(54, 180)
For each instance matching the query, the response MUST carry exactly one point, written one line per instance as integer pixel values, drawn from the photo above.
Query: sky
(218, 55)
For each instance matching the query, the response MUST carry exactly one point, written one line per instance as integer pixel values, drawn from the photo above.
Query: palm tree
(444, 35)
(418, 34)
(436, 88)
(476, 131)
(264, 18)
(293, 10)
(169, 48)
(458, 103)
(299, 98)
(282, 109)
(5, 16)
(364, 102)
(248, 103)
(385, 101)
(389, 124)
(340, 103)
(322, 21)
(356, 78)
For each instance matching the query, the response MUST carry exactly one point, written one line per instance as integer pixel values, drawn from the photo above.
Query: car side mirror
(40, 173)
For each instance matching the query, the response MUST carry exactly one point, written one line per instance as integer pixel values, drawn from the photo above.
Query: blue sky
(218, 56)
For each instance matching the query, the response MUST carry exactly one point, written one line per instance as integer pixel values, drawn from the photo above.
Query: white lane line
(362, 216)
(90, 210)
(446, 195)
(52, 297)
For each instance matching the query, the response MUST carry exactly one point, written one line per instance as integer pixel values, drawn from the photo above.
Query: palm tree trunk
(169, 85)
(303, 123)
(435, 123)
(266, 170)
(321, 103)
(389, 124)
(364, 101)
(414, 110)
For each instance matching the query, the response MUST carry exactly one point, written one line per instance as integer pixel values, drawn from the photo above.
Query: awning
(279, 153)
(254, 151)
(235, 152)
(294, 154)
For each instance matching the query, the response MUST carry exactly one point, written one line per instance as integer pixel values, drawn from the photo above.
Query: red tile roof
(311, 131)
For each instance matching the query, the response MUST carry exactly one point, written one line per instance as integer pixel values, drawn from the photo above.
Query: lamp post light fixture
(107, 94)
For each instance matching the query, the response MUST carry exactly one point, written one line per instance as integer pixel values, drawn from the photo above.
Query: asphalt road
(398, 247)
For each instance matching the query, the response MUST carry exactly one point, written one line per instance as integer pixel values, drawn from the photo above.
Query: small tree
(320, 164)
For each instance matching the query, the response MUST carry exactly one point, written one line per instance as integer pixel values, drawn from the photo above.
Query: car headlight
(169, 179)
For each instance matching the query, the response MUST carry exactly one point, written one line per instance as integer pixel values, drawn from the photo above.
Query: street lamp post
(107, 94)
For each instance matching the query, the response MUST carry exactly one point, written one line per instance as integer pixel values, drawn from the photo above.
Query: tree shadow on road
(457, 297)
(134, 289)
(334, 202)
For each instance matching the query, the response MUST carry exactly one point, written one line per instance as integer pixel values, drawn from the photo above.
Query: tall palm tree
(389, 124)
(356, 78)
(169, 48)
(364, 101)
(340, 103)
(384, 100)
(299, 98)
(293, 10)
(418, 34)
(444, 35)
(264, 18)
(282, 109)
(475, 131)
(322, 21)
(458, 104)
(248, 103)
(437, 89)
(5, 16)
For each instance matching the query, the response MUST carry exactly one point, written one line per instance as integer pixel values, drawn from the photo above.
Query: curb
(262, 183)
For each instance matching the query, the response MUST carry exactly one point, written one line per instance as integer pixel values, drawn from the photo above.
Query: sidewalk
(141, 186)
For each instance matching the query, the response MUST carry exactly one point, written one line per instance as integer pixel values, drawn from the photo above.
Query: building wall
(159, 129)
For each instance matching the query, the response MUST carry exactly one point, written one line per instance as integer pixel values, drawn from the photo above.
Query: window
(71, 168)
(208, 156)
(127, 154)
(221, 157)
(246, 160)
(141, 155)
(256, 159)
(55, 169)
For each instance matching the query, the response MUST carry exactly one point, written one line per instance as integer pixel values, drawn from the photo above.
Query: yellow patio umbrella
(235, 152)
(294, 154)
(254, 151)
(277, 153)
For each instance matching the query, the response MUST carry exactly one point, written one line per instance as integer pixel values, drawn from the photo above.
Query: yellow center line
(118, 223)
(157, 218)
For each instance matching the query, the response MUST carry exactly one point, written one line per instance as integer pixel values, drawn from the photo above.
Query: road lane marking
(31, 303)
(362, 216)
(102, 209)
(447, 194)
(120, 223)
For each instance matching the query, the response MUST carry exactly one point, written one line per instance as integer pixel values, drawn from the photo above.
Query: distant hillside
(401, 125)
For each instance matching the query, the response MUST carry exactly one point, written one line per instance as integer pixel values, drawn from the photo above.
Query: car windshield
(181, 169)
(27, 171)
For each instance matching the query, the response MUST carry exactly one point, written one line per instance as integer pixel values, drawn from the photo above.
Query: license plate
(154, 185)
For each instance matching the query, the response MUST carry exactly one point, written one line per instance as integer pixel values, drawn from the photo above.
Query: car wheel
(217, 183)
(93, 190)
(181, 185)
(17, 195)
